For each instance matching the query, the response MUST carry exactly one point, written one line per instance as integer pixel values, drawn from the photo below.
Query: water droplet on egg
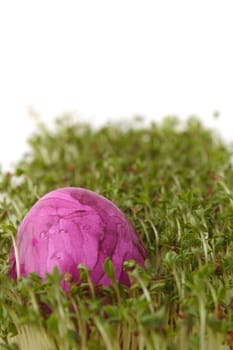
(43, 235)
(52, 231)
(58, 255)
(62, 231)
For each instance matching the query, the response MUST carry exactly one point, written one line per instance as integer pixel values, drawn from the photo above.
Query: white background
(113, 59)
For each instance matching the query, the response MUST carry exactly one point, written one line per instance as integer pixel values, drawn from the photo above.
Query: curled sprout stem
(16, 256)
